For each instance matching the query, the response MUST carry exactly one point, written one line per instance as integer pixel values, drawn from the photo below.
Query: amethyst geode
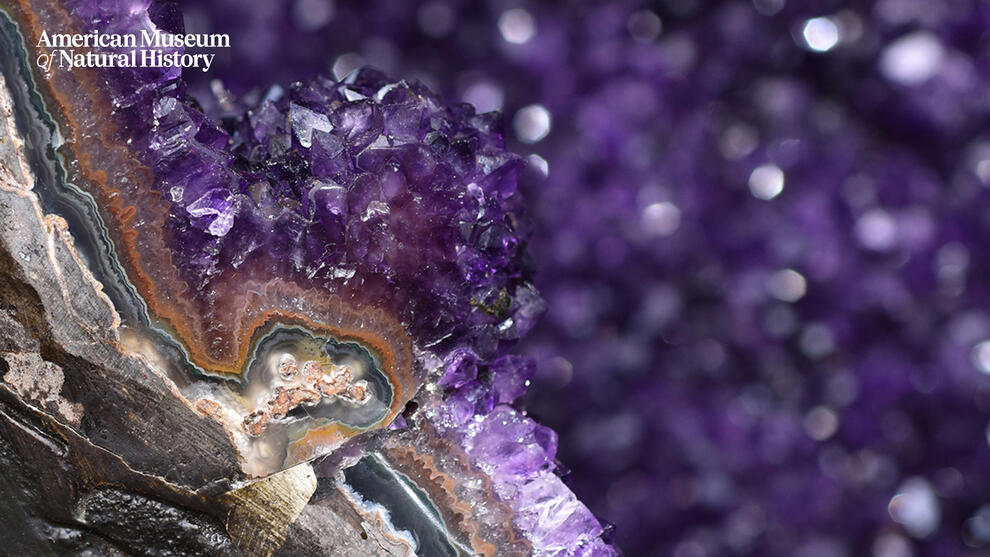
(333, 273)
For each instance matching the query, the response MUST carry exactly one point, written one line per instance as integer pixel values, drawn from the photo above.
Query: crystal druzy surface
(762, 228)
(334, 271)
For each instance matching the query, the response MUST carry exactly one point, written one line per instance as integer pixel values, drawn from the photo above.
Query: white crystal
(304, 121)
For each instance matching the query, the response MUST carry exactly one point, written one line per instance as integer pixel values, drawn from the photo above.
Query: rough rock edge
(79, 324)
(85, 472)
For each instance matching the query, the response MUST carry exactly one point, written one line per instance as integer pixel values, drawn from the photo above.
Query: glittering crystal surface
(760, 232)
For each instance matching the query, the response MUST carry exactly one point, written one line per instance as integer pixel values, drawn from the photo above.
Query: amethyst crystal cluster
(761, 226)
(325, 181)
(518, 453)
(370, 183)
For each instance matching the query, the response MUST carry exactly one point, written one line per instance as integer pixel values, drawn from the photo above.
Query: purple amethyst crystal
(511, 375)
(460, 366)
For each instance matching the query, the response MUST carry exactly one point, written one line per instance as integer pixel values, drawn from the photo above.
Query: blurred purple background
(761, 232)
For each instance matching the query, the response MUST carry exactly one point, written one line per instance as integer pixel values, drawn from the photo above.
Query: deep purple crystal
(707, 402)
